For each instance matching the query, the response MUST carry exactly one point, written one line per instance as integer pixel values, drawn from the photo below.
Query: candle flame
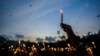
(61, 11)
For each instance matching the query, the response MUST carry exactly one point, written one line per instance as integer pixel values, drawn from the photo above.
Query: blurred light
(61, 11)
(19, 41)
(28, 47)
(38, 44)
(89, 50)
(62, 49)
(48, 46)
(52, 48)
(93, 44)
(33, 46)
(65, 48)
(43, 43)
(11, 46)
(3, 48)
(68, 45)
(31, 54)
(15, 52)
(24, 45)
(42, 49)
(55, 49)
(22, 50)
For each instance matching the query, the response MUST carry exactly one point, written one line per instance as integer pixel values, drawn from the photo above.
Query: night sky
(39, 18)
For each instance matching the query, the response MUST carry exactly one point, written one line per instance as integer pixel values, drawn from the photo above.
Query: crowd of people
(89, 46)
(73, 46)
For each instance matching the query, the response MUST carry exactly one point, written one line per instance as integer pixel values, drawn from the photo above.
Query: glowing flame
(61, 11)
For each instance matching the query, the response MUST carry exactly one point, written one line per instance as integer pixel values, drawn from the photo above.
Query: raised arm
(67, 28)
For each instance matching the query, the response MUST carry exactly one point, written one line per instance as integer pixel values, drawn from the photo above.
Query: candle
(61, 11)
(19, 43)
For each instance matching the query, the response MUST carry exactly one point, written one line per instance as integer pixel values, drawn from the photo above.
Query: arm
(67, 28)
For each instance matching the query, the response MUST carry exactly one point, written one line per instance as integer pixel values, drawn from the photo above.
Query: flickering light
(24, 45)
(93, 44)
(62, 49)
(65, 48)
(54, 49)
(3, 48)
(38, 44)
(11, 46)
(48, 46)
(22, 50)
(89, 50)
(68, 45)
(31, 54)
(42, 49)
(61, 11)
(28, 47)
(33, 46)
(19, 41)
(15, 52)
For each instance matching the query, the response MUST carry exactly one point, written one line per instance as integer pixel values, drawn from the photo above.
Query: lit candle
(24, 45)
(19, 43)
(61, 11)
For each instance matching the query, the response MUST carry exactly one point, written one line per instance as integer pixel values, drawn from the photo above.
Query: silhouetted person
(75, 40)
(67, 28)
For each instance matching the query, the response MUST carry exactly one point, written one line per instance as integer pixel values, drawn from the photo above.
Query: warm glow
(24, 45)
(31, 54)
(68, 45)
(19, 41)
(11, 46)
(2, 48)
(42, 49)
(89, 50)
